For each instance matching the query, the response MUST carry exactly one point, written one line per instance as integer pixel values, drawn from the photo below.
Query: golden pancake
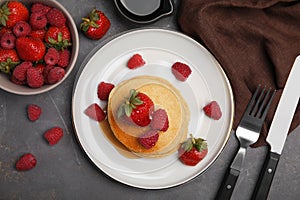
(163, 95)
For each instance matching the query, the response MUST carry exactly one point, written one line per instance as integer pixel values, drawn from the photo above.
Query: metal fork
(247, 133)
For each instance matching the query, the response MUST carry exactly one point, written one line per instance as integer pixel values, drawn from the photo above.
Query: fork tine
(268, 105)
(252, 101)
(262, 105)
(255, 108)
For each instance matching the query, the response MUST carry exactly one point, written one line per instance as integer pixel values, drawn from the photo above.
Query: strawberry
(38, 34)
(34, 78)
(213, 110)
(53, 135)
(149, 139)
(181, 71)
(95, 25)
(95, 112)
(30, 49)
(138, 107)
(58, 37)
(135, 61)
(26, 162)
(192, 151)
(160, 120)
(13, 12)
(8, 60)
(104, 90)
(34, 112)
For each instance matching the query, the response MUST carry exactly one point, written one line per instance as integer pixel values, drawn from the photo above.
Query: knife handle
(228, 184)
(266, 176)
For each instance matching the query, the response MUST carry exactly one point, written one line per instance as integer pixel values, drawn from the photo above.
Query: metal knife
(278, 131)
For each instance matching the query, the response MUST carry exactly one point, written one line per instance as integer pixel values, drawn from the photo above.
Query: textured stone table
(65, 172)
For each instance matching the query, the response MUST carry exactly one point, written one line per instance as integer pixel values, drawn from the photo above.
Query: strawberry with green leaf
(137, 108)
(95, 25)
(192, 151)
(58, 37)
(9, 59)
(12, 12)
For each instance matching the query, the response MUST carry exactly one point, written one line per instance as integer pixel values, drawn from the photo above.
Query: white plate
(160, 48)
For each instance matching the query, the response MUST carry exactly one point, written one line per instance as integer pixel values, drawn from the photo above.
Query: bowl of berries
(39, 45)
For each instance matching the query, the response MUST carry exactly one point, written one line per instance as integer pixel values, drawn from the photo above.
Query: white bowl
(11, 87)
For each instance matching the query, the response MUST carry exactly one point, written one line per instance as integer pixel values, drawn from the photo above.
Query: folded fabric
(256, 42)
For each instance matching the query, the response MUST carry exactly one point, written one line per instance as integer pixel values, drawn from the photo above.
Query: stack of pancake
(164, 95)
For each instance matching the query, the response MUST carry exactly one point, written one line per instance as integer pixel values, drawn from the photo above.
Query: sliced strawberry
(26, 162)
(104, 90)
(53, 135)
(149, 139)
(95, 112)
(135, 61)
(192, 151)
(213, 110)
(34, 112)
(181, 71)
(160, 120)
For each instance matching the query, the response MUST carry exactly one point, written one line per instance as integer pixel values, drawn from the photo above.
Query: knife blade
(278, 131)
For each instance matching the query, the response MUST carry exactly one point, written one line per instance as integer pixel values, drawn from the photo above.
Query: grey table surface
(65, 172)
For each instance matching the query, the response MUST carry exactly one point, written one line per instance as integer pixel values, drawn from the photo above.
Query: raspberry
(55, 74)
(21, 29)
(40, 67)
(8, 41)
(64, 57)
(95, 112)
(34, 78)
(56, 17)
(39, 8)
(53, 135)
(20, 72)
(135, 61)
(51, 57)
(213, 110)
(149, 139)
(38, 21)
(181, 71)
(160, 120)
(34, 112)
(16, 81)
(38, 34)
(104, 90)
(46, 72)
(26, 162)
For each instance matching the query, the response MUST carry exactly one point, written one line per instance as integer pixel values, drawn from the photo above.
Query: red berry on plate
(34, 112)
(26, 162)
(53, 135)
(104, 90)
(181, 71)
(213, 110)
(160, 120)
(95, 112)
(149, 139)
(192, 151)
(135, 61)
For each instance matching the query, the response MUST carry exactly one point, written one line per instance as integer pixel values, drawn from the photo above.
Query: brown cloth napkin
(256, 42)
